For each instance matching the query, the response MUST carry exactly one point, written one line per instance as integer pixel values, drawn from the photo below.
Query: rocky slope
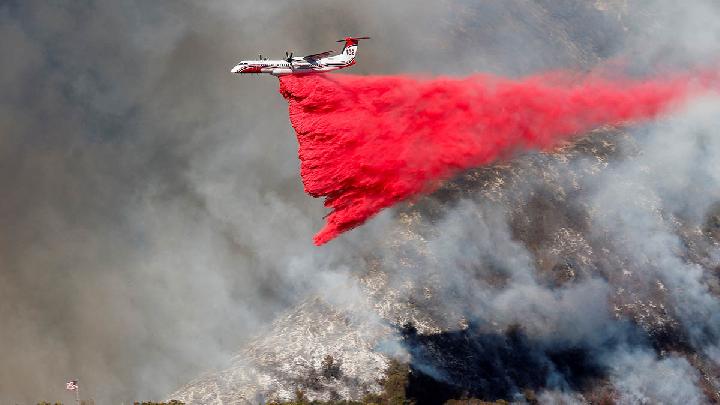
(548, 218)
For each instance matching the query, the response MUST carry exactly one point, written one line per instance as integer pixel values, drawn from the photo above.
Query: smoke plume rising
(368, 142)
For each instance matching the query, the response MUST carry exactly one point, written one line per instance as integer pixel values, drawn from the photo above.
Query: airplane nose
(236, 69)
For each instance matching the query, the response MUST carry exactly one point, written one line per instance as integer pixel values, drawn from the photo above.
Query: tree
(395, 384)
(330, 368)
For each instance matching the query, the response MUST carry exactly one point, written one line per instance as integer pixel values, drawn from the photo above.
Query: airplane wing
(317, 56)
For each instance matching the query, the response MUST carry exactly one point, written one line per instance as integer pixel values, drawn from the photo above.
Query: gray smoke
(642, 209)
(153, 219)
(640, 377)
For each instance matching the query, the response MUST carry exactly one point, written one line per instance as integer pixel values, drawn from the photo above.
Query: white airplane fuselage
(301, 65)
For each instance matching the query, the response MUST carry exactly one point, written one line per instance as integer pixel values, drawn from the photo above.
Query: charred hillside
(459, 343)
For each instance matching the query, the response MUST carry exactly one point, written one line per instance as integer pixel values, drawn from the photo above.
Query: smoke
(153, 220)
(134, 173)
(367, 143)
(641, 378)
(621, 262)
(620, 267)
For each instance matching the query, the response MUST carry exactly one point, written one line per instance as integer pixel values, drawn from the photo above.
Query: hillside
(585, 274)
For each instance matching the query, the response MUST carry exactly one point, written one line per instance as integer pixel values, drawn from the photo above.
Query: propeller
(343, 40)
(288, 56)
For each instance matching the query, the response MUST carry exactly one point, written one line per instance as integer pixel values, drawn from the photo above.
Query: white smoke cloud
(641, 378)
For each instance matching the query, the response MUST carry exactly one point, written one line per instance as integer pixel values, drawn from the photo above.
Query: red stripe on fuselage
(251, 69)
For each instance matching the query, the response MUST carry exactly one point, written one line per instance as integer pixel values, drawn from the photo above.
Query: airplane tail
(351, 45)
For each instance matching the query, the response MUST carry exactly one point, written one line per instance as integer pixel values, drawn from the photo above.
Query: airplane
(300, 65)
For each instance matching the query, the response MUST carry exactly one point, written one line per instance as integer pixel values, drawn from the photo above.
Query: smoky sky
(153, 220)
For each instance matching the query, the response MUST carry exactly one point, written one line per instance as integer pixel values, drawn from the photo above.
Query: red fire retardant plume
(368, 142)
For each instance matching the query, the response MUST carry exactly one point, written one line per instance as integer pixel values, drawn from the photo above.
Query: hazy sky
(153, 218)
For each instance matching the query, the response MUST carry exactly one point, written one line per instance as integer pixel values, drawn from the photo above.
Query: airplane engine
(280, 72)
